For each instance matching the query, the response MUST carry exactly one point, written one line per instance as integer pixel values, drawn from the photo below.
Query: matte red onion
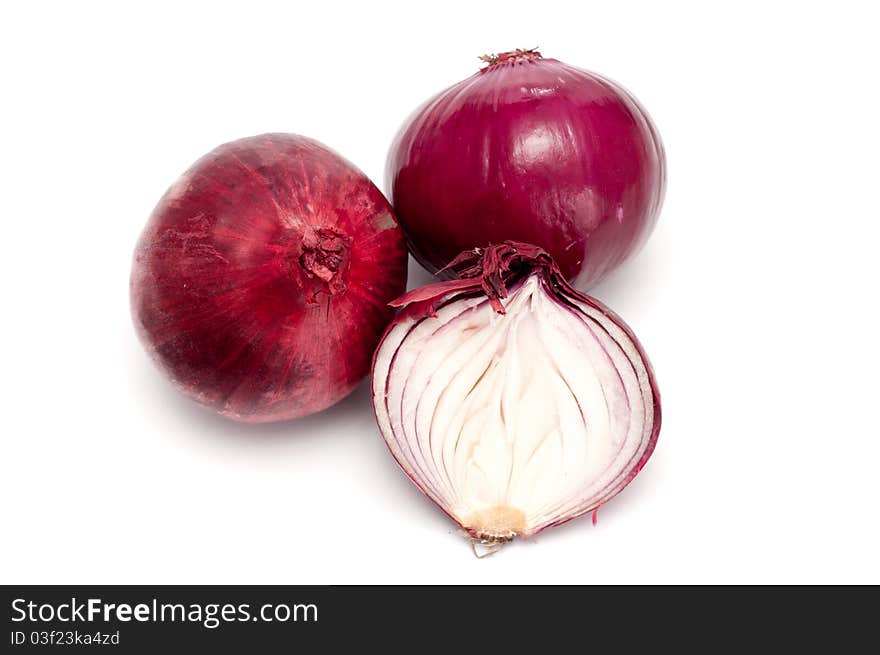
(261, 282)
(513, 401)
(534, 150)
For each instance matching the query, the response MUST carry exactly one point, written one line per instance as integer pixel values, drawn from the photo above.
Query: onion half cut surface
(511, 400)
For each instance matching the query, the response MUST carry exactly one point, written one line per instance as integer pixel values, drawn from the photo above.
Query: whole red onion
(513, 401)
(534, 150)
(261, 282)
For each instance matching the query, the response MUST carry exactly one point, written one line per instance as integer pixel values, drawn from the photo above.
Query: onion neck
(324, 261)
(512, 57)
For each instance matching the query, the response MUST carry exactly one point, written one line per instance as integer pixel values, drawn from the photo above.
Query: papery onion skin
(261, 282)
(533, 150)
(488, 273)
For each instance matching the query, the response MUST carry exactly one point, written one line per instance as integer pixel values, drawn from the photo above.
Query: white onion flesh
(518, 421)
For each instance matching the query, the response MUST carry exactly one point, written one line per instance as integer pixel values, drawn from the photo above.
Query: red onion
(262, 279)
(513, 401)
(535, 150)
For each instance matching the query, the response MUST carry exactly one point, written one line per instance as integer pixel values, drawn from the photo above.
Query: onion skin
(261, 282)
(489, 273)
(532, 150)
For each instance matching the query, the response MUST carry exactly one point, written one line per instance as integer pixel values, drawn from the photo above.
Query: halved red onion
(513, 401)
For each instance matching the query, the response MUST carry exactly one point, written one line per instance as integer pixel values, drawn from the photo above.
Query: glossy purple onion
(533, 150)
(514, 402)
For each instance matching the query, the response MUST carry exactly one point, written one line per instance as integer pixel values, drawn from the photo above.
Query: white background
(756, 297)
